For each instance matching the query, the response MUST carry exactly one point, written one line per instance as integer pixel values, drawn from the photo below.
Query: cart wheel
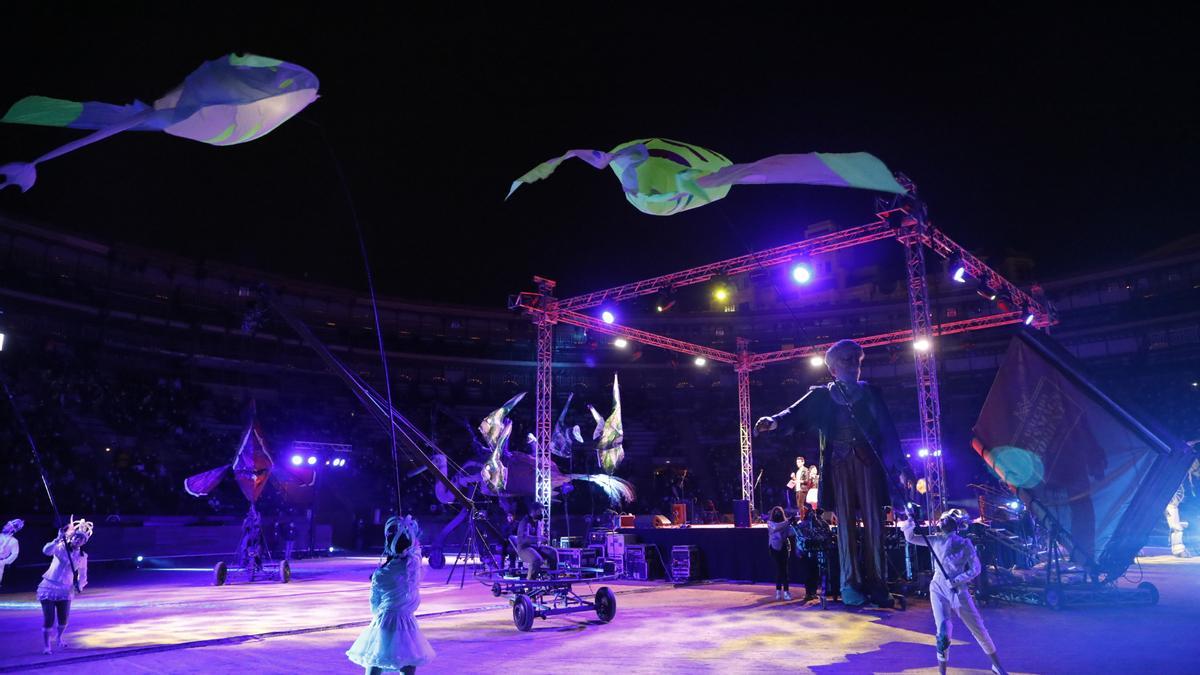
(437, 559)
(1151, 590)
(523, 612)
(285, 572)
(497, 590)
(1053, 598)
(220, 573)
(606, 604)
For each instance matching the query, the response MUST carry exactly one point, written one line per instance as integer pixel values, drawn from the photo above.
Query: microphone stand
(757, 496)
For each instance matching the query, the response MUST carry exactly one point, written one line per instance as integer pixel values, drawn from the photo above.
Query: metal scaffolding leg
(928, 407)
(543, 423)
(744, 422)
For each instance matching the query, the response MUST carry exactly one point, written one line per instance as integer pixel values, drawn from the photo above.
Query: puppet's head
(13, 526)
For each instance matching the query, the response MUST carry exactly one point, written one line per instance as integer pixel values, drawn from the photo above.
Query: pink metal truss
(780, 255)
(913, 232)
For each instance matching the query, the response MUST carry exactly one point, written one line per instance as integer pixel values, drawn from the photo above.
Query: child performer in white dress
(10, 548)
(393, 641)
(66, 575)
(955, 564)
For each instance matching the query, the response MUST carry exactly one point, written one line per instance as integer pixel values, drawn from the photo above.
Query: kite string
(362, 247)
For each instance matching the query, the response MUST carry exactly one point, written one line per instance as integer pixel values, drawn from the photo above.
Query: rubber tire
(1151, 589)
(606, 604)
(523, 612)
(437, 559)
(285, 572)
(220, 573)
(497, 590)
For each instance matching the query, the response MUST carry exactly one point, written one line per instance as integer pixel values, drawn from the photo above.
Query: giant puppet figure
(861, 466)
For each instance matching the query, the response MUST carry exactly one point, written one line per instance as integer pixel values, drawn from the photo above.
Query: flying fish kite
(496, 429)
(610, 434)
(563, 437)
(662, 177)
(226, 101)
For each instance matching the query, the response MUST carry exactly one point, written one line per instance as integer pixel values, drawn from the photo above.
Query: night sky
(1067, 138)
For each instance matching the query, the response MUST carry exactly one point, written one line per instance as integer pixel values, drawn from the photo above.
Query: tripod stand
(474, 544)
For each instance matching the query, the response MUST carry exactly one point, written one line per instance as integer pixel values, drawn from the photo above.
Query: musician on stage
(861, 466)
(798, 483)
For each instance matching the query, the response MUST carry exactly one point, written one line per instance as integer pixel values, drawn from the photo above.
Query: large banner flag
(1084, 466)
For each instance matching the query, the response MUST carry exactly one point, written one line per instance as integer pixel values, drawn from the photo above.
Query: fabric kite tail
(617, 489)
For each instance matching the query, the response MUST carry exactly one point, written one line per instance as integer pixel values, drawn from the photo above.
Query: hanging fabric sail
(226, 101)
(662, 177)
(610, 434)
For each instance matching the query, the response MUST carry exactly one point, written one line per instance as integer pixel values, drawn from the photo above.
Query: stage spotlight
(923, 452)
(297, 460)
(620, 343)
(608, 316)
(1, 342)
(720, 294)
(700, 361)
(986, 292)
(816, 361)
(140, 558)
(937, 453)
(1014, 505)
(664, 301)
(922, 486)
(312, 460)
(922, 344)
(1029, 319)
(802, 273)
(331, 549)
(958, 271)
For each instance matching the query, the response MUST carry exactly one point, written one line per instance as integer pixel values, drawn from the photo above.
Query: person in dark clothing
(780, 543)
(861, 466)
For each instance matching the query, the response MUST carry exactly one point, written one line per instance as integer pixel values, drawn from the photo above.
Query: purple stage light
(297, 460)
(312, 460)
(960, 274)
(1029, 319)
(608, 316)
(802, 273)
(923, 452)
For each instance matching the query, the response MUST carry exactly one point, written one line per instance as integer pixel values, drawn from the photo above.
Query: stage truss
(904, 223)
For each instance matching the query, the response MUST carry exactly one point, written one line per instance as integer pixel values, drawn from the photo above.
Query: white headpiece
(80, 527)
(397, 528)
(13, 526)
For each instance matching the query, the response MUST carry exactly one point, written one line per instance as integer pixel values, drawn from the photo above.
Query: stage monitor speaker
(679, 514)
(1086, 467)
(741, 513)
(648, 522)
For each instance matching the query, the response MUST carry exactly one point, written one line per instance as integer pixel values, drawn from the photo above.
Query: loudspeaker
(647, 522)
(741, 513)
(1087, 468)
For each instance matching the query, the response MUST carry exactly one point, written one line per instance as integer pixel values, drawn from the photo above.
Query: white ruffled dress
(393, 640)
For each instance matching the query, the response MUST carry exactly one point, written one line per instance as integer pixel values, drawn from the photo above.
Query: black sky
(1068, 137)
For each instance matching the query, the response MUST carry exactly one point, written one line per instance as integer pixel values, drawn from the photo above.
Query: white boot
(778, 594)
(787, 595)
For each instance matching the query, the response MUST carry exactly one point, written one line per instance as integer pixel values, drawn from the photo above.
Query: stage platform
(172, 621)
(740, 553)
